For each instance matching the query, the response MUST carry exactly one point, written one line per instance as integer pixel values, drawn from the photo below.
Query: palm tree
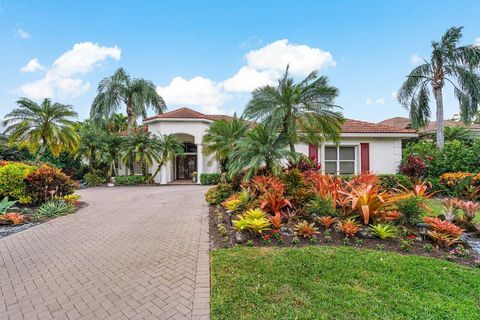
(138, 95)
(261, 147)
(448, 63)
(142, 148)
(117, 123)
(306, 107)
(220, 138)
(92, 143)
(459, 133)
(40, 126)
(169, 146)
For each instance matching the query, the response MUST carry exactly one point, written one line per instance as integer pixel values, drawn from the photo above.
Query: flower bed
(308, 208)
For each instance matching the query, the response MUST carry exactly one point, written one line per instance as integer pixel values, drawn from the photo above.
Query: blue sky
(209, 54)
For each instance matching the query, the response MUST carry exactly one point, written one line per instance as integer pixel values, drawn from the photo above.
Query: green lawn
(339, 283)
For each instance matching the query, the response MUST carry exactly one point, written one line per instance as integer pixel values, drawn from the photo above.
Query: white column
(199, 161)
(163, 175)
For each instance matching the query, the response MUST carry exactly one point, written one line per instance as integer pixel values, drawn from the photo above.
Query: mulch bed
(7, 230)
(228, 239)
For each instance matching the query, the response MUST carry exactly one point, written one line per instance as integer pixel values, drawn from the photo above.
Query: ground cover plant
(339, 283)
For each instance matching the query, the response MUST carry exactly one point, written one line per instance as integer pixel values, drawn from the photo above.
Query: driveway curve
(133, 253)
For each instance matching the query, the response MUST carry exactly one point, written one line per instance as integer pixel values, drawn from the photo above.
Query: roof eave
(378, 135)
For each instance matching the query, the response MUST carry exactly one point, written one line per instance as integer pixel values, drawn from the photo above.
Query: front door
(186, 166)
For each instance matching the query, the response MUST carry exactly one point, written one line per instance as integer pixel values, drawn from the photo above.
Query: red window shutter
(364, 157)
(313, 152)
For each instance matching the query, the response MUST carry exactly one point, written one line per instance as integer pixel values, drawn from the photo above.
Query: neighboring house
(404, 123)
(363, 146)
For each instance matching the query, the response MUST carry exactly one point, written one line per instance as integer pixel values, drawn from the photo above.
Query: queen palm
(263, 146)
(169, 146)
(142, 148)
(220, 138)
(448, 63)
(137, 95)
(39, 126)
(298, 108)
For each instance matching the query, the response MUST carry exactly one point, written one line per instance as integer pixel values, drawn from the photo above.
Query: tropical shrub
(368, 200)
(219, 193)
(54, 208)
(411, 208)
(14, 153)
(384, 231)
(6, 205)
(232, 204)
(129, 180)
(305, 229)
(210, 178)
(391, 181)
(451, 209)
(460, 185)
(304, 164)
(73, 199)
(46, 182)
(470, 209)
(92, 179)
(349, 227)
(414, 167)
(12, 181)
(321, 207)
(254, 220)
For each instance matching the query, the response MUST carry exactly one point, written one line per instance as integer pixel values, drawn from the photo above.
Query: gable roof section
(403, 123)
(349, 126)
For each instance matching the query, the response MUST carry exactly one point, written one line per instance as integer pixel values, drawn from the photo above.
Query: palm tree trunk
(131, 116)
(160, 165)
(40, 152)
(440, 133)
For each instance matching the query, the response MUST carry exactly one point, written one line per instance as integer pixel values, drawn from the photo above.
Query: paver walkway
(133, 253)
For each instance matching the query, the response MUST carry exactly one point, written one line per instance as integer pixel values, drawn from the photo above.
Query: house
(404, 123)
(364, 146)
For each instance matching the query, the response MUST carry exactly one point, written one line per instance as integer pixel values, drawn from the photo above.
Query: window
(340, 160)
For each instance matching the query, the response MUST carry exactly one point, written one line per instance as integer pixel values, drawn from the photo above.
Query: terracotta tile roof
(403, 123)
(355, 126)
(350, 126)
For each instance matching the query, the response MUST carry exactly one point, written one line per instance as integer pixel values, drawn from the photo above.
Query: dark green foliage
(94, 178)
(13, 153)
(321, 207)
(129, 180)
(411, 209)
(54, 208)
(321, 282)
(219, 193)
(390, 181)
(210, 178)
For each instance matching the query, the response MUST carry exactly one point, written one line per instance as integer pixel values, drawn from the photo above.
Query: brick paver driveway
(133, 253)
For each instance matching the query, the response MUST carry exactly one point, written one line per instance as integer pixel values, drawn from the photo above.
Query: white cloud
(248, 78)
(378, 101)
(477, 42)
(32, 66)
(197, 91)
(415, 59)
(22, 34)
(62, 78)
(394, 94)
(302, 58)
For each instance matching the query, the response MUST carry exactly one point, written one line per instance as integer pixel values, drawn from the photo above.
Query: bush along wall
(210, 178)
(129, 180)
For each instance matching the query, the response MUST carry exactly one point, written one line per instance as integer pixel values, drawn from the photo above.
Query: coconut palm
(448, 63)
(39, 126)
(142, 148)
(305, 107)
(169, 146)
(221, 136)
(137, 95)
(261, 147)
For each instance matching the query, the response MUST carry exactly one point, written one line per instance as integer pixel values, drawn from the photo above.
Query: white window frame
(338, 160)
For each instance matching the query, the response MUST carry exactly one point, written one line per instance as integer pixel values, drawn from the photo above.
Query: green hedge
(210, 178)
(129, 180)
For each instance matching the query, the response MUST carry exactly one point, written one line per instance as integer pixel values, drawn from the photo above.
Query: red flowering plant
(414, 166)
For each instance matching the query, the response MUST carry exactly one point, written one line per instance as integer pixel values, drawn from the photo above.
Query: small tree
(169, 146)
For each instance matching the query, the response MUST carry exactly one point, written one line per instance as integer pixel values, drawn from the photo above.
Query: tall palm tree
(169, 146)
(263, 146)
(448, 63)
(141, 147)
(220, 138)
(305, 107)
(137, 95)
(39, 126)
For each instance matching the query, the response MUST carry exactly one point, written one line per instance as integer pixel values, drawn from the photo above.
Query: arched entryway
(186, 165)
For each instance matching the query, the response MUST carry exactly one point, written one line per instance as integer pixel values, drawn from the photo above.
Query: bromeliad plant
(254, 221)
(443, 232)
(326, 221)
(6, 205)
(305, 229)
(369, 201)
(384, 231)
(349, 227)
(12, 218)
